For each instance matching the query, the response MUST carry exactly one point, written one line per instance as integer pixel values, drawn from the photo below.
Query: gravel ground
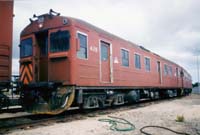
(161, 114)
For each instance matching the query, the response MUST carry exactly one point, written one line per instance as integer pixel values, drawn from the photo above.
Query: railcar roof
(99, 30)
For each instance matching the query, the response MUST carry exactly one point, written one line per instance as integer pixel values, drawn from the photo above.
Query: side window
(137, 61)
(82, 53)
(170, 71)
(181, 73)
(166, 70)
(59, 41)
(147, 64)
(104, 51)
(125, 57)
(26, 48)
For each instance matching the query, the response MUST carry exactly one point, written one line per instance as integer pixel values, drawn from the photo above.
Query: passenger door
(159, 72)
(42, 47)
(177, 77)
(105, 65)
(182, 78)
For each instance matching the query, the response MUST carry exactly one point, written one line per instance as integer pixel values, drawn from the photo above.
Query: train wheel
(133, 97)
(152, 95)
(175, 93)
(4, 101)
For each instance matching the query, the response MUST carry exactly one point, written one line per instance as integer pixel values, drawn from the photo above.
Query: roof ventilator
(51, 12)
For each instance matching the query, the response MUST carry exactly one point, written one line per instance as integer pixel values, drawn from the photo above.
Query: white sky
(170, 28)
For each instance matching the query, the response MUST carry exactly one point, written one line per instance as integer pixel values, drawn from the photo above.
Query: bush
(180, 118)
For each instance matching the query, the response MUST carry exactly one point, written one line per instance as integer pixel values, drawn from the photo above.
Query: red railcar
(6, 25)
(66, 61)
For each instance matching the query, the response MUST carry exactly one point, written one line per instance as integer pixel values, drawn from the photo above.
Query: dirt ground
(161, 114)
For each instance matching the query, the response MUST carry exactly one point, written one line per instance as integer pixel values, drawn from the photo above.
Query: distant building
(196, 90)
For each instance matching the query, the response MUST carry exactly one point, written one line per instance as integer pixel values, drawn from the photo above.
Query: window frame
(124, 49)
(170, 70)
(50, 44)
(166, 71)
(87, 53)
(31, 38)
(146, 57)
(135, 61)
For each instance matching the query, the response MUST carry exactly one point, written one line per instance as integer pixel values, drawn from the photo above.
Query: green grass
(180, 118)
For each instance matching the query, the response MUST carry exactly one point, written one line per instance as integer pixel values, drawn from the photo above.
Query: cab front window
(59, 41)
(26, 48)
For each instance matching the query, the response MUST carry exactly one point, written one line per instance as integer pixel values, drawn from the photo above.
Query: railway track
(32, 121)
(11, 110)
